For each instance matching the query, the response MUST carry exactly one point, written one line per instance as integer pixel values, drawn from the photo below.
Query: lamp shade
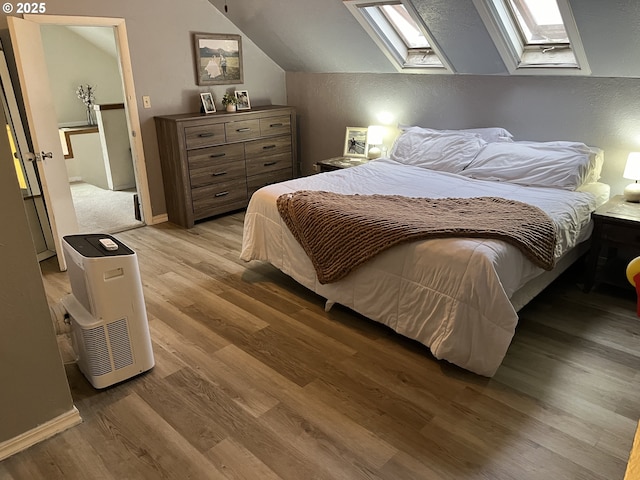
(632, 169)
(375, 135)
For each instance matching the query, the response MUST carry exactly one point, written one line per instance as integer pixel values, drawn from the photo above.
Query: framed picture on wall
(207, 103)
(243, 100)
(218, 59)
(355, 142)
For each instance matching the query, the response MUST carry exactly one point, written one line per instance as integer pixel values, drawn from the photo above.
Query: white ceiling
(323, 36)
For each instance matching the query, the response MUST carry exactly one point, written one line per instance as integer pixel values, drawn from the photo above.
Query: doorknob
(46, 155)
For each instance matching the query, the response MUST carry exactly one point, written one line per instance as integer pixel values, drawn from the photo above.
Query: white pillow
(436, 150)
(491, 134)
(596, 156)
(488, 134)
(535, 164)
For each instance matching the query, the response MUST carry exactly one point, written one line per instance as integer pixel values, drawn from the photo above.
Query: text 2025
(31, 7)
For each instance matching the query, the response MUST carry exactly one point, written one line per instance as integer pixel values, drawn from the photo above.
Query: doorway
(94, 138)
(54, 175)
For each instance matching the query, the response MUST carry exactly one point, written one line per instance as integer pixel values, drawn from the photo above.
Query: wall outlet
(146, 101)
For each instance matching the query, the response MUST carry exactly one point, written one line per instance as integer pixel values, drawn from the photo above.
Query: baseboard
(40, 433)
(159, 219)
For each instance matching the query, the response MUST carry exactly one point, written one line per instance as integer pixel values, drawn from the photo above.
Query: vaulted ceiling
(323, 36)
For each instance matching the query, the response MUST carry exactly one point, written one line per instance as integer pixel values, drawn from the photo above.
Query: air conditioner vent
(120, 343)
(95, 343)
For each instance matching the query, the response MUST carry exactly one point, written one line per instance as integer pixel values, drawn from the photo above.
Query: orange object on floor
(633, 466)
(633, 275)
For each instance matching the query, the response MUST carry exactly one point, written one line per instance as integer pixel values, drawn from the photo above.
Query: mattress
(453, 295)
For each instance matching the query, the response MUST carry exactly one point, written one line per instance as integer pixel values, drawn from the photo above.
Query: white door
(43, 124)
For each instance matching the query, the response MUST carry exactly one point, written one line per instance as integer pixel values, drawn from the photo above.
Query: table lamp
(375, 137)
(632, 172)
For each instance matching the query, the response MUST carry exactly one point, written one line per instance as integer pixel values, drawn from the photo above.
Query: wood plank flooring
(254, 380)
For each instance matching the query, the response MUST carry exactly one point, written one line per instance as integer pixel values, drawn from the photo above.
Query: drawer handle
(221, 194)
(268, 147)
(268, 164)
(243, 129)
(202, 135)
(217, 155)
(217, 174)
(276, 124)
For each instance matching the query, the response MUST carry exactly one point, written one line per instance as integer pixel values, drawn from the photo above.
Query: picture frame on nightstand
(355, 142)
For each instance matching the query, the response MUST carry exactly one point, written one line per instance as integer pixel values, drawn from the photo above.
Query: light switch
(146, 101)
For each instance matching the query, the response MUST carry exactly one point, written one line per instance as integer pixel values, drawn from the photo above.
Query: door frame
(131, 105)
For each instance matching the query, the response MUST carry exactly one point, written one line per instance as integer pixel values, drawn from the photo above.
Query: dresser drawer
(258, 181)
(242, 130)
(220, 172)
(267, 146)
(204, 157)
(204, 135)
(622, 234)
(275, 125)
(270, 163)
(214, 199)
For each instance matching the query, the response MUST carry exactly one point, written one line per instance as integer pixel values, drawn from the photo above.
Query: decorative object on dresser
(212, 164)
(207, 103)
(243, 100)
(229, 102)
(355, 142)
(218, 59)
(632, 172)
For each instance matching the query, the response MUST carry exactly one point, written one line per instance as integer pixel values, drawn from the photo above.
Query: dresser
(212, 163)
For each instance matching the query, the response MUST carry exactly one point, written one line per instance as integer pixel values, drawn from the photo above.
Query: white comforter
(449, 294)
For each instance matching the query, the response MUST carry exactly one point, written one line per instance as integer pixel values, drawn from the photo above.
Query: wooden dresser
(212, 163)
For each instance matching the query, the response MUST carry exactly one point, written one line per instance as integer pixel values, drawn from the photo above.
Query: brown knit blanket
(340, 232)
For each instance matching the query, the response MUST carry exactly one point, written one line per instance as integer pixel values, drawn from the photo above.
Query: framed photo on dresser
(243, 100)
(207, 102)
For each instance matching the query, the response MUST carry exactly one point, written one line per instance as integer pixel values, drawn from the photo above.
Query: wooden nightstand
(338, 163)
(617, 227)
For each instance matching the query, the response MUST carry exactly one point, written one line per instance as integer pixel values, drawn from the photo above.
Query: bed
(458, 296)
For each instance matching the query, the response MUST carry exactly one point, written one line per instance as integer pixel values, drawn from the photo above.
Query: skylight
(404, 25)
(535, 36)
(540, 21)
(399, 32)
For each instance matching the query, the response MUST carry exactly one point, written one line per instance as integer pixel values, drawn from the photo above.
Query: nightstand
(617, 227)
(338, 163)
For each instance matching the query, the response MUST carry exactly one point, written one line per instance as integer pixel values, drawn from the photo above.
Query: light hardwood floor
(253, 380)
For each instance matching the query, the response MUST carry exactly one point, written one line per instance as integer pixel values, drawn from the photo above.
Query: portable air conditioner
(109, 327)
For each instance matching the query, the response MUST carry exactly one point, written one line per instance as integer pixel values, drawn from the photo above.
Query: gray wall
(160, 36)
(33, 384)
(603, 112)
(72, 61)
